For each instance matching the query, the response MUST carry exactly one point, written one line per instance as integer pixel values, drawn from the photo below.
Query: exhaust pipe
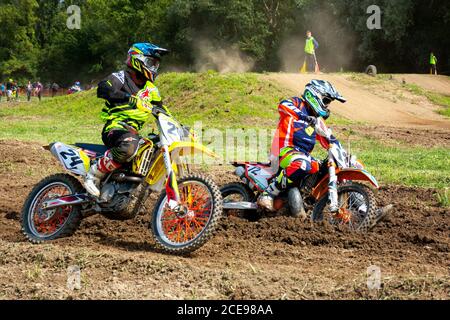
(240, 206)
(71, 200)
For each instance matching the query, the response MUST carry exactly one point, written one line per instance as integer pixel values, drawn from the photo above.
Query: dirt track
(376, 105)
(439, 84)
(276, 258)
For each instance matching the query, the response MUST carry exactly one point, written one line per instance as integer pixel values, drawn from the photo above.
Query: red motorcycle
(342, 191)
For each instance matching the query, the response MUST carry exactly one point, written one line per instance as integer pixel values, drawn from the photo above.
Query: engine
(119, 200)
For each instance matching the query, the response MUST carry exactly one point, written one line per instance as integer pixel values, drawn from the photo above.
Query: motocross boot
(93, 179)
(97, 172)
(266, 199)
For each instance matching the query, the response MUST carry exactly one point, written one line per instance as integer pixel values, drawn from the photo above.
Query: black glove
(312, 121)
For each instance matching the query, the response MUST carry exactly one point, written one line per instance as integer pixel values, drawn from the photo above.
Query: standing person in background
(29, 91)
(55, 88)
(16, 90)
(433, 64)
(16, 86)
(2, 90)
(9, 88)
(310, 52)
(38, 90)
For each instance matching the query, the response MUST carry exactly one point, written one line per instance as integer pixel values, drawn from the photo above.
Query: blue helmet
(145, 59)
(319, 94)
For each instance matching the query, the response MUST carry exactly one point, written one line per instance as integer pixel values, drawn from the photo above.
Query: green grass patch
(65, 118)
(380, 79)
(411, 166)
(443, 198)
(433, 97)
(219, 101)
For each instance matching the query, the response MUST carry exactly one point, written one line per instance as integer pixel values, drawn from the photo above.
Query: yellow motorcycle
(184, 217)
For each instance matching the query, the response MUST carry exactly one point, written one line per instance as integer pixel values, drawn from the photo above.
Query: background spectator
(433, 64)
(16, 90)
(38, 90)
(311, 46)
(29, 89)
(2, 90)
(9, 88)
(55, 88)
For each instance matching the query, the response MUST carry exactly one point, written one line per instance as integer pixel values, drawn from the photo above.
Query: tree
(18, 49)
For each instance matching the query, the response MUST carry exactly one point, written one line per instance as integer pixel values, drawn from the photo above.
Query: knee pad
(125, 152)
(315, 167)
(298, 170)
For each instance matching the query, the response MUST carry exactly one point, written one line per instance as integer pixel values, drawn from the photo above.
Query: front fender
(344, 175)
(190, 148)
(357, 175)
(177, 149)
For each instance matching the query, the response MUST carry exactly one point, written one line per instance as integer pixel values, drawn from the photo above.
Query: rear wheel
(185, 232)
(357, 208)
(40, 225)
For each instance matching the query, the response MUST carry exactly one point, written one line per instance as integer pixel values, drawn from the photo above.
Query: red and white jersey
(293, 130)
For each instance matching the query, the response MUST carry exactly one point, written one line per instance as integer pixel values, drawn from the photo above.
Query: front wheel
(357, 208)
(185, 232)
(40, 225)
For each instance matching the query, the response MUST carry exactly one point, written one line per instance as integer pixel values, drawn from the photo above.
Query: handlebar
(158, 110)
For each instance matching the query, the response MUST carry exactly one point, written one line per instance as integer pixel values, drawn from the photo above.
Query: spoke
(198, 223)
(188, 228)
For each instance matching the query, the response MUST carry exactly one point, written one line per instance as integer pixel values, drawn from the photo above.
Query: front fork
(332, 187)
(173, 194)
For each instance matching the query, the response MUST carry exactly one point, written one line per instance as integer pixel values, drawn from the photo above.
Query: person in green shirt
(310, 51)
(433, 63)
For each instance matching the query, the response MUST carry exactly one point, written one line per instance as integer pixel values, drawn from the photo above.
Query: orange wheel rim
(44, 225)
(344, 215)
(197, 201)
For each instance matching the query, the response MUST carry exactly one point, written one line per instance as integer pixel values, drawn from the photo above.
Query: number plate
(70, 158)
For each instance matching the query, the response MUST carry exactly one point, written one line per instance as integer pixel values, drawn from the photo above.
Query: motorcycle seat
(98, 149)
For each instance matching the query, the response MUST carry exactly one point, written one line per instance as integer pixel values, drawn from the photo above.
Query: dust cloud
(223, 58)
(337, 46)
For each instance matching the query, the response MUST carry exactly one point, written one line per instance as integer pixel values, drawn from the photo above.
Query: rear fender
(344, 175)
(73, 159)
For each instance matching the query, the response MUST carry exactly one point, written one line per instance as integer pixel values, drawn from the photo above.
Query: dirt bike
(74, 89)
(338, 192)
(185, 215)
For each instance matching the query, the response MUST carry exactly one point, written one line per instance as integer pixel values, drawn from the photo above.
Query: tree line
(35, 41)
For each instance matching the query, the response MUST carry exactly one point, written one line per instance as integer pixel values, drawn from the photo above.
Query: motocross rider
(124, 112)
(296, 137)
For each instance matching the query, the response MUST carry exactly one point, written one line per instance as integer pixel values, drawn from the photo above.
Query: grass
(411, 166)
(219, 101)
(380, 79)
(443, 198)
(401, 165)
(231, 101)
(61, 118)
(433, 97)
